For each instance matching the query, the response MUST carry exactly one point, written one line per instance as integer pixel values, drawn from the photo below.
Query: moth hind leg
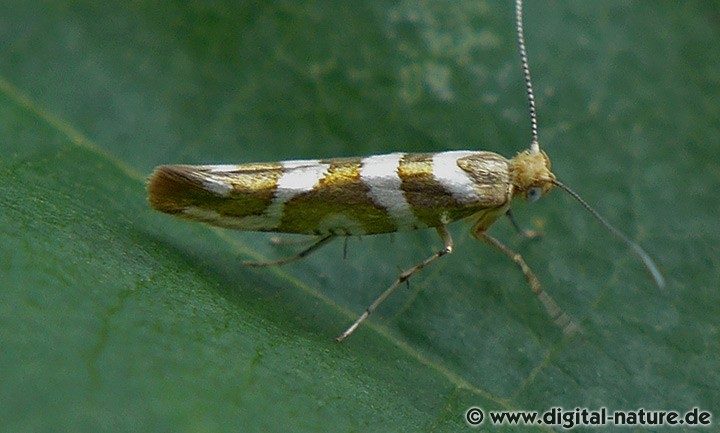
(562, 320)
(304, 253)
(278, 241)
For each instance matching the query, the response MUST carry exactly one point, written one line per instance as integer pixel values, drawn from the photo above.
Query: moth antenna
(637, 249)
(535, 144)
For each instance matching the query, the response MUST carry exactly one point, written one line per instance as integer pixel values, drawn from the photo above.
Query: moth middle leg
(404, 276)
(324, 240)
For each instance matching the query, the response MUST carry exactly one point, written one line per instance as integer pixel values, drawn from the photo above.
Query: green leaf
(116, 318)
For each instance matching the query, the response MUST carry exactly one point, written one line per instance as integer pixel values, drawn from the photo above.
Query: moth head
(531, 175)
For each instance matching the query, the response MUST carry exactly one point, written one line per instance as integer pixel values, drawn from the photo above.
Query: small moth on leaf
(329, 198)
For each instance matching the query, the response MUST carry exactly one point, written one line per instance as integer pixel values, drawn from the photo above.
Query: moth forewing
(342, 196)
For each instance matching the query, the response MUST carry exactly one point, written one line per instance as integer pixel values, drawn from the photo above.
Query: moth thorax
(531, 171)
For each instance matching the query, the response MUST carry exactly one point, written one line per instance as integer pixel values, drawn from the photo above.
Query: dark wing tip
(171, 188)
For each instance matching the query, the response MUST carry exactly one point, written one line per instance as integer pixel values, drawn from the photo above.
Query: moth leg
(404, 276)
(554, 311)
(278, 241)
(319, 243)
(528, 234)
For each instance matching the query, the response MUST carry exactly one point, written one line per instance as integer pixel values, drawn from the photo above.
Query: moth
(337, 197)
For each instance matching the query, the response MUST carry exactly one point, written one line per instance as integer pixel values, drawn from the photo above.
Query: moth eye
(534, 194)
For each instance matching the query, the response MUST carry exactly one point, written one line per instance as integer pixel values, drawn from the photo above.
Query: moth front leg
(562, 320)
(527, 234)
(404, 276)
